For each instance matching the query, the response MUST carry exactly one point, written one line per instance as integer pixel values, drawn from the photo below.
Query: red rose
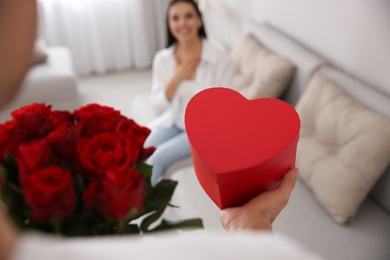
(10, 137)
(33, 119)
(57, 118)
(116, 193)
(146, 153)
(97, 119)
(32, 156)
(107, 152)
(136, 131)
(138, 134)
(63, 141)
(50, 194)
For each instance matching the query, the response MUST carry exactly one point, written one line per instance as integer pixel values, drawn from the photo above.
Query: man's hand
(9, 236)
(260, 212)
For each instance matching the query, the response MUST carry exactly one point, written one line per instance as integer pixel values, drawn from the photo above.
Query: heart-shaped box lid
(232, 134)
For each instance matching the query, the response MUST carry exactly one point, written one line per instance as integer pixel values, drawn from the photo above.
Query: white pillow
(343, 149)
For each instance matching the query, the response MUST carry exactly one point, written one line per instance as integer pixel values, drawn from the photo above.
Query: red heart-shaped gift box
(240, 147)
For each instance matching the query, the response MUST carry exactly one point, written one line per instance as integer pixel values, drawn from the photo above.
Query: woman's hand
(260, 212)
(185, 69)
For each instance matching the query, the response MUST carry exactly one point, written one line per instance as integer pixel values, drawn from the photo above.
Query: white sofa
(52, 81)
(367, 236)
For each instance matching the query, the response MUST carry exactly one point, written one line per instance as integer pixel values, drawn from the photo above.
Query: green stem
(120, 226)
(15, 188)
(57, 226)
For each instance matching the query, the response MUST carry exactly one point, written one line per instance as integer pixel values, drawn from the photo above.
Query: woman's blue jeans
(172, 145)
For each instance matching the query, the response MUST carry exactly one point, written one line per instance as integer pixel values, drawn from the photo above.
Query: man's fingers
(287, 184)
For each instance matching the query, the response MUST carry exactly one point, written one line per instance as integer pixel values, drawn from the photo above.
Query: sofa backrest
(305, 60)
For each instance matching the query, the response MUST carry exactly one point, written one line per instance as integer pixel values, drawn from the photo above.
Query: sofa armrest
(52, 82)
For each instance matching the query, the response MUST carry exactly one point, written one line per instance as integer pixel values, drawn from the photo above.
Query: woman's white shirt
(214, 70)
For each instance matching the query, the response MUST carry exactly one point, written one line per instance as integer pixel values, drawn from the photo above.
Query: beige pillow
(258, 72)
(39, 52)
(343, 149)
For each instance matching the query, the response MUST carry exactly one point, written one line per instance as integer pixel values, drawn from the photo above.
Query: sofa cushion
(343, 149)
(375, 99)
(305, 60)
(258, 72)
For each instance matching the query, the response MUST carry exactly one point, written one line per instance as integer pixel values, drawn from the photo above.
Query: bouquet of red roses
(80, 173)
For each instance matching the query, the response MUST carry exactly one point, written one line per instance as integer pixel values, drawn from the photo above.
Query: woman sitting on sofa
(188, 65)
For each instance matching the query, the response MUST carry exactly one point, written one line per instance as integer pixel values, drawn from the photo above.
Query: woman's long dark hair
(202, 32)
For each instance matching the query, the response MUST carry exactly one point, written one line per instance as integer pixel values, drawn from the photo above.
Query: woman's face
(184, 22)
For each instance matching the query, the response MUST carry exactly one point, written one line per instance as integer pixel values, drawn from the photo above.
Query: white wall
(352, 34)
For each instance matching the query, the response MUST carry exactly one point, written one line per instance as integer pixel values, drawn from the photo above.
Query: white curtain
(105, 35)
